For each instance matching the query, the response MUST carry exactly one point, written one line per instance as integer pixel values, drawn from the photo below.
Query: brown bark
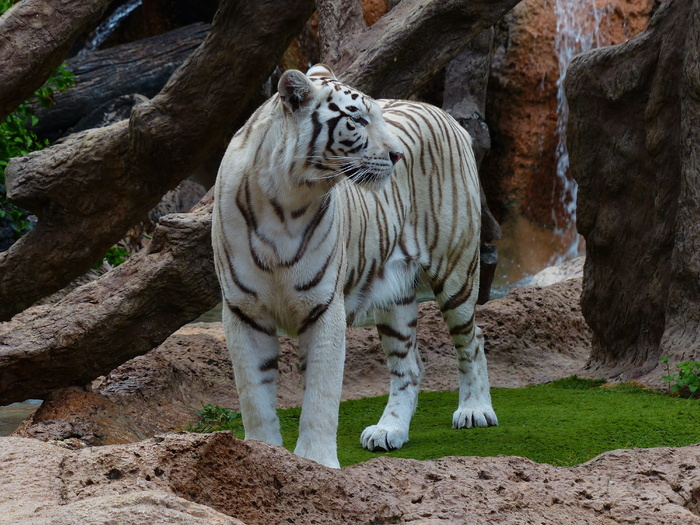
(106, 322)
(102, 181)
(411, 43)
(34, 39)
(337, 23)
(141, 67)
(57, 193)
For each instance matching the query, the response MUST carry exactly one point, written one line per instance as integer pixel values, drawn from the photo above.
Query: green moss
(562, 423)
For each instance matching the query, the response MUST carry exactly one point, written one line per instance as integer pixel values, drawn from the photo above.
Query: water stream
(578, 24)
(107, 27)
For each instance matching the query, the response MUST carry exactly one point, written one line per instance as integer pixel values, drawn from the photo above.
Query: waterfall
(109, 25)
(578, 22)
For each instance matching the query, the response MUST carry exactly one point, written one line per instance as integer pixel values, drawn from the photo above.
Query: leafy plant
(5, 5)
(214, 417)
(17, 137)
(115, 256)
(686, 380)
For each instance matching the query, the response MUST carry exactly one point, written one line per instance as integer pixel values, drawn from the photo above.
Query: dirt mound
(195, 478)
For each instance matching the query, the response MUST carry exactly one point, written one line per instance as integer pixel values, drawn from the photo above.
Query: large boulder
(532, 335)
(633, 140)
(218, 479)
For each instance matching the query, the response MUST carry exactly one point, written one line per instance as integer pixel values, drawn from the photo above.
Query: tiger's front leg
(254, 350)
(397, 329)
(322, 359)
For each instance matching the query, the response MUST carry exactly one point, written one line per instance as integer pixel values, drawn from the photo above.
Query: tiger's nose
(395, 156)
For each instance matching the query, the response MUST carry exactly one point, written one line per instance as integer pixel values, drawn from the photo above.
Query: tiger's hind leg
(456, 293)
(397, 330)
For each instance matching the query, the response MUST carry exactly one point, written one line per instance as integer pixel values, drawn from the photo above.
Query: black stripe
(247, 320)
(462, 329)
(314, 315)
(270, 364)
(308, 234)
(388, 331)
(277, 207)
(234, 276)
(298, 213)
(319, 275)
(405, 300)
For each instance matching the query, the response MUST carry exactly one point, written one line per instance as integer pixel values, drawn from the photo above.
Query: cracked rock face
(216, 478)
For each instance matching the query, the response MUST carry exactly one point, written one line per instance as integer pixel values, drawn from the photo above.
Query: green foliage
(17, 137)
(6, 4)
(213, 418)
(563, 423)
(686, 381)
(115, 256)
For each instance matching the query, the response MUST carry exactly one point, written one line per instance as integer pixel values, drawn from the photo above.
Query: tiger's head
(341, 131)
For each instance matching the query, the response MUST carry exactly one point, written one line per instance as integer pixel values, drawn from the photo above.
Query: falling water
(578, 22)
(107, 27)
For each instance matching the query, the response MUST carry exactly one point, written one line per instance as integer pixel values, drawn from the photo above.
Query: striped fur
(329, 205)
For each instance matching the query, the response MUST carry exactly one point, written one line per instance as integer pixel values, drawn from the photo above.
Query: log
(36, 35)
(123, 314)
(103, 181)
(141, 67)
(411, 43)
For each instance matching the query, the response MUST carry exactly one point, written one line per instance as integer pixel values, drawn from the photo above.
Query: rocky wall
(633, 144)
(520, 173)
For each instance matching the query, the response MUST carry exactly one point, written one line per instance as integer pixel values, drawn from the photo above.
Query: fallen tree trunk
(125, 313)
(102, 181)
(141, 67)
(78, 335)
(36, 38)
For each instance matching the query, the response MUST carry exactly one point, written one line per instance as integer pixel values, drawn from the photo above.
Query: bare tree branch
(409, 45)
(34, 39)
(129, 310)
(338, 22)
(102, 181)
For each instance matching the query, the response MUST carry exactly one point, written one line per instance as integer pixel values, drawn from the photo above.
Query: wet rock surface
(519, 175)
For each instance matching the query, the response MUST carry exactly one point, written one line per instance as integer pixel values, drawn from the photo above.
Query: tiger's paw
(379, 437)
(474, 417)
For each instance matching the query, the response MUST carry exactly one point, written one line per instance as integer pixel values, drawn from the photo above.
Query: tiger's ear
(294, 89)
(321, 71)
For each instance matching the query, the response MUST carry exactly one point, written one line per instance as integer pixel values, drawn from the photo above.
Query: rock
(633, 145)
(520, 173)
(216, 478)
(532, 335)
(572, 269)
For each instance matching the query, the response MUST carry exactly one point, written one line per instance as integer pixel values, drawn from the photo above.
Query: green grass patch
(563, 423)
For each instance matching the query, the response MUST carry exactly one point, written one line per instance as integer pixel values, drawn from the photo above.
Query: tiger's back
(425, 217)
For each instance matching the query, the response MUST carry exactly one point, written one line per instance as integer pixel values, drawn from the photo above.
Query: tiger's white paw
(379, 437)
(474, 417)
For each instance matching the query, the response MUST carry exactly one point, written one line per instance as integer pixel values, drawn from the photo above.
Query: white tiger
(310, 229)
